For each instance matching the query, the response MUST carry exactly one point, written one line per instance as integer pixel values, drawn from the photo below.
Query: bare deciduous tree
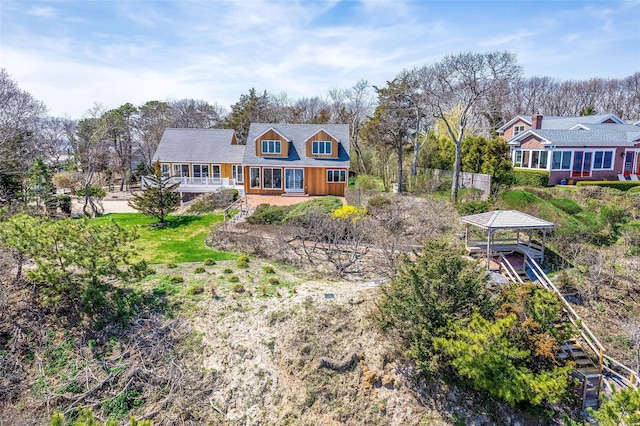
(464, 82)
(352, 106)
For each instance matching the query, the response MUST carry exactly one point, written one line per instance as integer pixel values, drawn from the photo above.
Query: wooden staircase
(587, 371)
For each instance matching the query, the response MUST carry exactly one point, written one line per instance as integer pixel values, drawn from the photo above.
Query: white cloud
(144, 50)
(43, 11)
(507, 38)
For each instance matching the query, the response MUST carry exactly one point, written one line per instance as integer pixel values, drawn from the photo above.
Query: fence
(466, 180)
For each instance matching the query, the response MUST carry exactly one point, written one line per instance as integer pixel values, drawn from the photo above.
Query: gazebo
(506, 220)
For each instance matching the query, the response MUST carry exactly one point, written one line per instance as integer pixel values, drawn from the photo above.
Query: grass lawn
(182, 240)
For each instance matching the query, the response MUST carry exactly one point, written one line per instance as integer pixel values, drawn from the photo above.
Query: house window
(334, 176)
(237, 173)
(603, 160)
(561, 160)
(271, 178)
(531, 159)
(181, 170)
(254, 177)
(216, 171)
(165, 170)
(201, 172)
(271, 146)
(518, 129)
(517, 160)
(321, 147)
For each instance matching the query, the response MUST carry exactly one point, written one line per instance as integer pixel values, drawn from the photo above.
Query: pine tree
(159, 198)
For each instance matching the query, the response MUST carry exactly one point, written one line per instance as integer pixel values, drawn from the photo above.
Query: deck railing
(203, 181)
(233, 209)
(509, 269)
(504, 244)
(615, 371)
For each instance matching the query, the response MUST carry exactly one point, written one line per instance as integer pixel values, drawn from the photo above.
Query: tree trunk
(416, 152)
(456, 171)
(356, 147)
(400, 168)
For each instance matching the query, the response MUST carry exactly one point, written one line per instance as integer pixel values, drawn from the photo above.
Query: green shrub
(243, 261)
(196, 289)
(616, 184)
(176, 279)
(327, 204)
(378, 202)
(234, 279)
(199, 270)
(137, 271)
(516, 199)
(267, 214)
(274, 281)
(64, 201)
(631, 234)
(238, 288)
(567, 205)
(94, 191)
(171, 266)
(227, 271)
(470, 194)
(612, 215)
(531, 177)
(473, 207)
(367, 183)
(634, 189)
(268, 269)
(209, 262)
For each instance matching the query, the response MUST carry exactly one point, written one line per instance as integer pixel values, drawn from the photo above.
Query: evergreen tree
(159, 198)
(40, 189)
(623, 408)
(484, 352)
(437, 288)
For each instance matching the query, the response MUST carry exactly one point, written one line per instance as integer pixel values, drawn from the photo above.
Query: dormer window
(518, 129)
(321, 147)
(271, 147)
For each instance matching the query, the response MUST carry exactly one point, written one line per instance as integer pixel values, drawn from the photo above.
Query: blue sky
(71, 54)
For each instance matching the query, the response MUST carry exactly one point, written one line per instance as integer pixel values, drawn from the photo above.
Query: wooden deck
(506, 246)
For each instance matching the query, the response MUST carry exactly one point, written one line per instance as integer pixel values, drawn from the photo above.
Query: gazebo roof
(506, 219)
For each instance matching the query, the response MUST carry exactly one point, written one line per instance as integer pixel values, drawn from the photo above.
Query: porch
(203, 184)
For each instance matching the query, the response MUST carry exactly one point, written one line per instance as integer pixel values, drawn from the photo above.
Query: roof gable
(298, 135)
(525, 118)
(516, 140)
(284, 138)
(322, 130)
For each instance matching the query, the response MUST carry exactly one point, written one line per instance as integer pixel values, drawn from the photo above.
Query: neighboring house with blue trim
(597, 147)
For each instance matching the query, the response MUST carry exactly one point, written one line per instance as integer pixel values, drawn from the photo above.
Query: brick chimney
(536, 121)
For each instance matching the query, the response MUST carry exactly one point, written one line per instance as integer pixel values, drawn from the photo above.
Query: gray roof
(206, 145)
(595, 135)
(553, 122)
(506, 219)
(297, 135)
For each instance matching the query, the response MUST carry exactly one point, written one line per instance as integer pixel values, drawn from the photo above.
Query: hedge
(622, 185)
(531, 177)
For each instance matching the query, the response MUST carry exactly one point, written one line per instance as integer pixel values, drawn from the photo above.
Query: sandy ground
(116, 202)
(277, 200)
